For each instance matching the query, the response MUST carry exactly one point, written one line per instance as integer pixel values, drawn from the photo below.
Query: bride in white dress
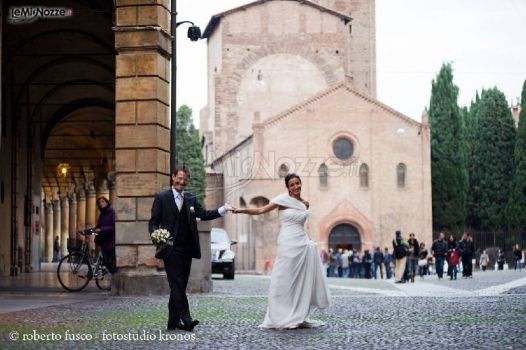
(297, 282)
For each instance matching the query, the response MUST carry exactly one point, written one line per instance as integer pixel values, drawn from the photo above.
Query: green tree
(493, 147)
(516, 211)
(448, 153)
(189, 152)
(472, 219)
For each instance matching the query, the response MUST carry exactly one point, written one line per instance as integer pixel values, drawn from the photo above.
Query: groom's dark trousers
(182, 225)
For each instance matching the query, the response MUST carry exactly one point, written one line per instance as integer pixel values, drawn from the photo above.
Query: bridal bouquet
(164, 242)
(160, 236)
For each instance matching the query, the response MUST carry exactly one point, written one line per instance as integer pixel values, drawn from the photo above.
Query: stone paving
(364, 314)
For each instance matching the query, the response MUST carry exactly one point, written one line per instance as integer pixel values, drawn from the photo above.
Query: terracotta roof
(214, 21)
(330, 90)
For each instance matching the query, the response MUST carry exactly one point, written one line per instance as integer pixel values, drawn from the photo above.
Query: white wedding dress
(297, 282)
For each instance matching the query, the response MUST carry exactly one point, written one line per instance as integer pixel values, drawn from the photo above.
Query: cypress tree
(493, 147)
(472, 219)
(189, 151)
(516, 211)
(448, 153)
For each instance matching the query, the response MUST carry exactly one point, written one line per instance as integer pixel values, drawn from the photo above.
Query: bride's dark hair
(290, 177)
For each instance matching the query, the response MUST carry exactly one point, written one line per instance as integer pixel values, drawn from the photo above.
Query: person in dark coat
(177, 210)
(412, 258)
(56, 249)
(466, 249)
(378, 259)
(367, 261)
(439, 250)
(501, 259)
(105, 229)
(517, 257)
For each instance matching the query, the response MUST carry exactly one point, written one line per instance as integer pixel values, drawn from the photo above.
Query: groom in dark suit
(176, 210)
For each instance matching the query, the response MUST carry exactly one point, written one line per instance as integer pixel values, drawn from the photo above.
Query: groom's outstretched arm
(157, 212)
(206, 215)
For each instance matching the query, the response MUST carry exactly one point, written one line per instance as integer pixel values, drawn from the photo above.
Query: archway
(345, 236)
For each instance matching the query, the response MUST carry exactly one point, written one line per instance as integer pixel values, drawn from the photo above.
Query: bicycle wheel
(103, 278)
(74, 272)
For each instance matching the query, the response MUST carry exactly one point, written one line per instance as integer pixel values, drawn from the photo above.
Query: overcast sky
(484, 39)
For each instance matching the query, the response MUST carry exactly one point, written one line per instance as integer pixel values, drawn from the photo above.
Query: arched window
(401, 172)
(283, 170)
(364, 175)
(323, 171)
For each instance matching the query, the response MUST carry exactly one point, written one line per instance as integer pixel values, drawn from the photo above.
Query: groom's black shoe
(172, 326)
(189, 325)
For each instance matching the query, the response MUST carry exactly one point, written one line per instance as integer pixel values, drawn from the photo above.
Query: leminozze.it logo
(29, 14)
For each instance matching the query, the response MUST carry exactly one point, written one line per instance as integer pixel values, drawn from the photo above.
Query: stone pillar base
(149, 282)
(200, 280)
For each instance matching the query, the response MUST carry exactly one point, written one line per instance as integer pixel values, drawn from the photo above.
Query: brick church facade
(292, 88)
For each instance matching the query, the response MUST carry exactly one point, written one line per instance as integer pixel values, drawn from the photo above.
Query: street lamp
(194, 34)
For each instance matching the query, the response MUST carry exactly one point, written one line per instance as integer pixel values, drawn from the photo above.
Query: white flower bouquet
(164, 242)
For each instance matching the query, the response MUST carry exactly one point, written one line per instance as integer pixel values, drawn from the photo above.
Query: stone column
(142, 138)
(57, 220)
(91, 207)
(64, 234)
(73, 216)
(81, 210)
(91, 212)
(48, 255)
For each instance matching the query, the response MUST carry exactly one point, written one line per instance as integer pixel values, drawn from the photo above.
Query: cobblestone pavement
(364, 314)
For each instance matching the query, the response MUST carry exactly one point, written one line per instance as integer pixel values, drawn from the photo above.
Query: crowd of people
(409, 258)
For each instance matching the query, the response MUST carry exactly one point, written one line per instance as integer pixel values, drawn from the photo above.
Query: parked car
(223, 258)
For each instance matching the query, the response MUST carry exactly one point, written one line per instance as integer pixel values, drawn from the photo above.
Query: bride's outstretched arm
(256, 211)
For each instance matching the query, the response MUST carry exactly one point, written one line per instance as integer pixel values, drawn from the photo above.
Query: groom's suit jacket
(165, 214)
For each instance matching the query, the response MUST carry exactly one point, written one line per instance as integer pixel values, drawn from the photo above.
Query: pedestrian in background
(332, 263)
(422, 260)
(400, 251)
(56, 249)
(339, 263)
(378, 259)
(388, 260)
(357, 264)
(451, 247)
(453, 260)
(517, 257)
(501, 259)
(484, 260)
(345, 263)
(367, 261)
(439, 250)
(466, 249)
(105, 229)
(412, 258)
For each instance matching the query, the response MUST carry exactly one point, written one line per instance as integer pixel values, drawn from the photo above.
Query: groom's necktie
(179, 200)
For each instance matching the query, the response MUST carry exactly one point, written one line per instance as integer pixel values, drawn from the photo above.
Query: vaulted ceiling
(59, 79)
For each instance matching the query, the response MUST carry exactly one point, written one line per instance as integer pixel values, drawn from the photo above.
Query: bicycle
(76, 269)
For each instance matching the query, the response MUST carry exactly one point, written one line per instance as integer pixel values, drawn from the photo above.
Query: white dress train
(297, 282)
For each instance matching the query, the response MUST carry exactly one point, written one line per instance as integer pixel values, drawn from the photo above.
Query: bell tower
(362, 41)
